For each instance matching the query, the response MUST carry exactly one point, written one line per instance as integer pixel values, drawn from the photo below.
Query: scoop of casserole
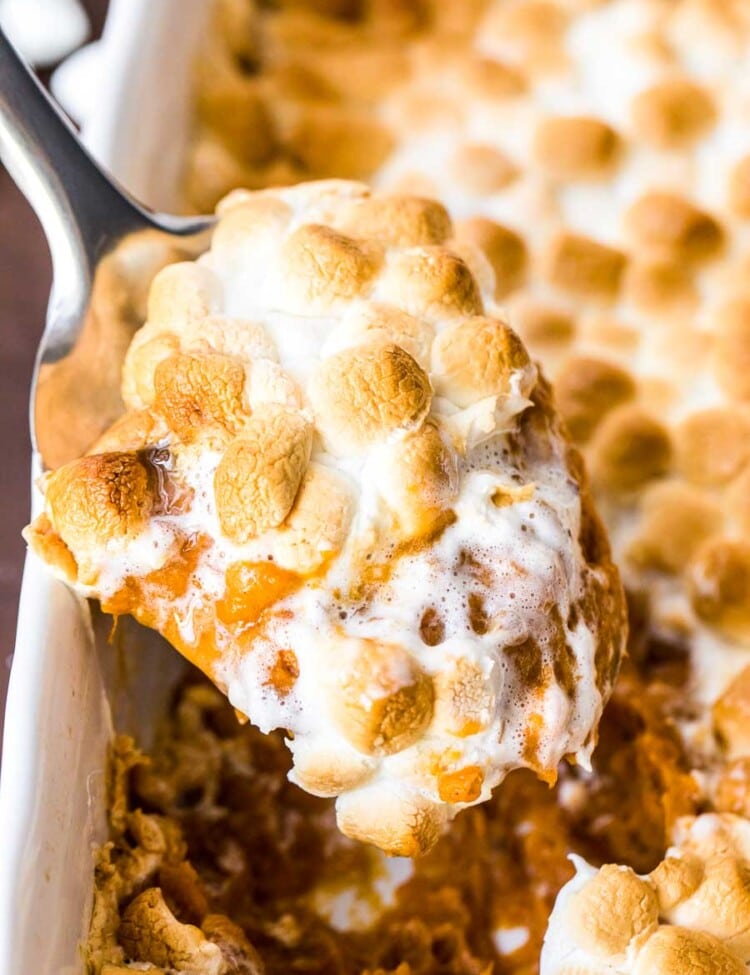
(342, 491)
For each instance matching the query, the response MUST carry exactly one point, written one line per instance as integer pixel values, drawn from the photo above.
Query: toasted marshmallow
(504, 249)
(101, 500)
(387, 325)
(200, 395)
(366, 394)
(404, 825)
(479, 358)
(402, 221)
(691, 913)
(318, 524)
(380, 699)
(672, 113)
(431, 282)
(669, 226)
(584, 267)
(260, 473)
(321, 266)
(419, 480)
(576, 147)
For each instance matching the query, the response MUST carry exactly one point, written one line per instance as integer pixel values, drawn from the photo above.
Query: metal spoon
(105, 248)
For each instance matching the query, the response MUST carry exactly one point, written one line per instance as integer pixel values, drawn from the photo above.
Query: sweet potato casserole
(592, 163)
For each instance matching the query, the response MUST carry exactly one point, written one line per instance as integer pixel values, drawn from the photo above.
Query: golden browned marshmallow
(484, 78)
(672, 950)
(259, 475)
(576, 147)
(327, 771)
(401, 221)
(672, 113)
(586, 389)
(182, 294)
(476, 359)
(463, 699)
(236, 108)
(732, 349)
(719, 581)
(318, 524)
(378, 67)
(721, 904)
(731, 715)
(141, 361)
(451, 21)
(675, 879)
(629, 449)
(608, 331)
(200, 395)
(676, 520)
(230, 336)
(268, 382)
(391, 326)
(530, 32)
(100, 499)
(503, 247)
(381, 699)
(247, 220)
(669, 227)
(333, 141)
(659, 285)
(723, 26)
(712, 446)
(423, 482)
(482, 169)
(134, 430)
(405, 826)
(582, 267)
(149, 932)
(320, 266)
(541, 324)
(419, 110)
(614, 910)
(739, 188)
(360, 396)
(432, 282)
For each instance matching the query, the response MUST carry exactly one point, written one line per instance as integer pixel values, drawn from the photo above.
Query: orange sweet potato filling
(251, 588)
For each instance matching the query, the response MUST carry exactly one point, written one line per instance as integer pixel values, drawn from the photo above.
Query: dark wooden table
(24, 287)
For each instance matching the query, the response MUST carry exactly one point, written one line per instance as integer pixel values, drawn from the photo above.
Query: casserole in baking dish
(595, 153)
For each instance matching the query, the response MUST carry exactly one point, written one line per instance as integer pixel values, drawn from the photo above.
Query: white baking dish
(67, 685)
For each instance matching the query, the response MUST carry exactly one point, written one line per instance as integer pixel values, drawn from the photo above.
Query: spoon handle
(78, 205)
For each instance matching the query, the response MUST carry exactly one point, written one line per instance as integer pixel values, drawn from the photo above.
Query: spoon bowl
(106, 248)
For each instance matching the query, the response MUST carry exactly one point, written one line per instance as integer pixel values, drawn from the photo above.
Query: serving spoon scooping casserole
(340, 487)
